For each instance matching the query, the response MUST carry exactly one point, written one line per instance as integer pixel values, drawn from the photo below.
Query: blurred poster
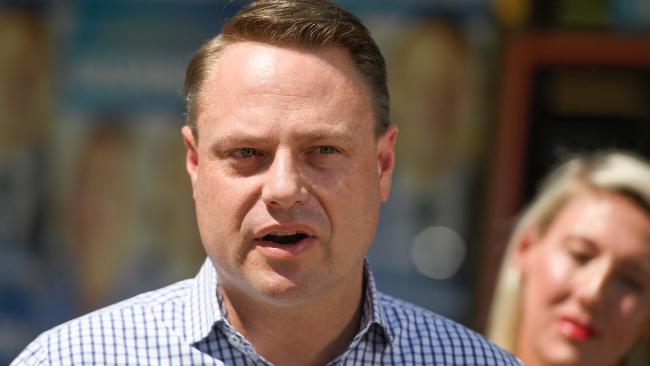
(95, 205)
(24, 124)
(438, 67)
(123, 219)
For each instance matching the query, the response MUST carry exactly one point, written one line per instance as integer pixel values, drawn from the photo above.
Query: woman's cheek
(557, 274)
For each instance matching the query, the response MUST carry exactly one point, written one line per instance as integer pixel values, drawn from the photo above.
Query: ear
(386, 160)
(191, 157)
(524, 247)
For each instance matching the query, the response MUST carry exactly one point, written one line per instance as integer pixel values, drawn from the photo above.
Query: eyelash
(630, 282)
(579, 257)
(249, 152)
(239, 153)
(329, 149)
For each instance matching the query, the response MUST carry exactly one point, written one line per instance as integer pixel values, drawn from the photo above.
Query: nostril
(284, 198)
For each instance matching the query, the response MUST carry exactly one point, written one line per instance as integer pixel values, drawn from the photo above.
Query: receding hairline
(304, 24)
(323, 53)
(320, 51)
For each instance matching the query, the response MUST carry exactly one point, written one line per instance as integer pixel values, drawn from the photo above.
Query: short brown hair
(308, 23)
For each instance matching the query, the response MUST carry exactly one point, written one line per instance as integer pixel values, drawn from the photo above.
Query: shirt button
(234, 340)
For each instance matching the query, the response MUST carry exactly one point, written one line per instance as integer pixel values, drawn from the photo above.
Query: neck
(311, 332)
(524, 347)
(528, 351)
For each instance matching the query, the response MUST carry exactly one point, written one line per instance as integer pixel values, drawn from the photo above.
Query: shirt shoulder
(116, 330)
(437, 339)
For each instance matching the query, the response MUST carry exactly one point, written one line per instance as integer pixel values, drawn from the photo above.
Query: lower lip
(286, 251)
(576, 331)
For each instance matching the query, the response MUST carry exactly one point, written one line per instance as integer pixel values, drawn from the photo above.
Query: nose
(592, 286)
(283, 184)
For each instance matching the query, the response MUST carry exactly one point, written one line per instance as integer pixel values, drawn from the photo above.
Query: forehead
(599, 202)
(252, 80)
(608, 218)
(306, 72)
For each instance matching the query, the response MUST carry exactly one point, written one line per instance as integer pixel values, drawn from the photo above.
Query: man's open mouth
(285, 238)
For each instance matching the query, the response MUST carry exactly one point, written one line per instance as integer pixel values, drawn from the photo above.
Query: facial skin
(586, 283)
(287, 144)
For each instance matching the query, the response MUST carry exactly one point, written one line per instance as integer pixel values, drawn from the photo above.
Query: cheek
(549, 278)
(632, 312)
(355, 181)
(221, 202)
(351, 199)
(627, 320)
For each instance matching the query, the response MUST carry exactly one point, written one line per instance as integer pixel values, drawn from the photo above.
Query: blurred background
(95, 205)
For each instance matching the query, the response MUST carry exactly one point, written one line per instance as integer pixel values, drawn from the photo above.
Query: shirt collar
(203, 309)
(373, 313)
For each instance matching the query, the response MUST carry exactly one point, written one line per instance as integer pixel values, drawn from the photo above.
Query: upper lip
(582, 322)
(284, 229)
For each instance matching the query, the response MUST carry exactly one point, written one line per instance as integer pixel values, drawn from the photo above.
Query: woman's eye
(631, 282)
(580, 257)
(326, 150)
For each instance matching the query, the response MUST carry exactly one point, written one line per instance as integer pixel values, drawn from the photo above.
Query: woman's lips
(576, 330)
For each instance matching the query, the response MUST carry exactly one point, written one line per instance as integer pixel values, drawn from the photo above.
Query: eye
(580, 257)
(245, 152)
(326, 150)
(580, 250)
(245, 161)
(630, 282)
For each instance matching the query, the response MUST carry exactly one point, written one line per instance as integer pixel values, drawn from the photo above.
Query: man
(290, 154)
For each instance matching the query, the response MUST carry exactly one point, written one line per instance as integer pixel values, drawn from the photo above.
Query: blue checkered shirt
(183, 324)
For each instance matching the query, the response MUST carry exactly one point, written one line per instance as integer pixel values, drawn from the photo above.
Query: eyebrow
(236, 139)
(216, 145)
(247, 138)
(641, 267)
(591, 244)
(326, 135)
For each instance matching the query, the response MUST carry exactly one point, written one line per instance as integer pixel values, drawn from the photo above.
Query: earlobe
(386, 160)
(191, 157)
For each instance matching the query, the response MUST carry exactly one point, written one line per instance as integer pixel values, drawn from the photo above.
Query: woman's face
(586, 298)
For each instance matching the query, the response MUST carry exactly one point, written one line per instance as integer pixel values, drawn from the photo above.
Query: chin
(569, 355)
(282, 289)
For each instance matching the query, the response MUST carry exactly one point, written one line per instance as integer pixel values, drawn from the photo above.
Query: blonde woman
(574, 288)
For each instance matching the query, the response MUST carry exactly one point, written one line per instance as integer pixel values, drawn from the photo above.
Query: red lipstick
(576, 330)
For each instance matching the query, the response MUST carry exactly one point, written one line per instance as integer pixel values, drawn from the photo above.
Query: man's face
(287, 173)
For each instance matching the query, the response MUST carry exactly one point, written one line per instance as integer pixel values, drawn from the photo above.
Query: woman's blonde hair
(614, 171)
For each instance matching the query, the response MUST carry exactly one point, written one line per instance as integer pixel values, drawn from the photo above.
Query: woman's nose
(592, 284)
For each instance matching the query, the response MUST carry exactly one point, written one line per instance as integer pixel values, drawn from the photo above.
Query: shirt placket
(237, 341)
